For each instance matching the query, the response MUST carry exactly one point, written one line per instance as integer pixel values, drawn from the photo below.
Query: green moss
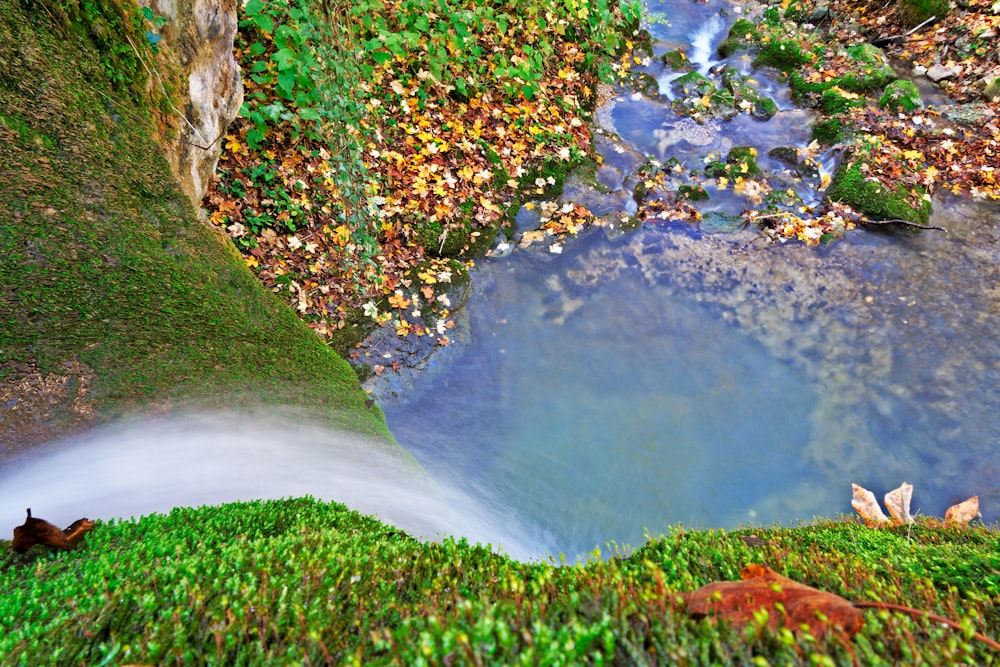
(676, 61)
(871, 69)
(742, 36)
(108, 266)
(901, 95)
(692, 83)
(254, 583)
(763, 108)
(783, 54)
(828, 130)
(835, 100)
(872, 199)
(915, 12)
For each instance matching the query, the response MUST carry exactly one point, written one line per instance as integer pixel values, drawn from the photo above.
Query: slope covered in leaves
(265, 582)
(382, 134)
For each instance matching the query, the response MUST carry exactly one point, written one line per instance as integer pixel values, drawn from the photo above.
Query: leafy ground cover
(305, 582)
(384, 142)
(897, 152)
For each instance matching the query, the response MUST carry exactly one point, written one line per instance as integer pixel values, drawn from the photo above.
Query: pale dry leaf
(963, 512)
(897, 502)
(864, 503)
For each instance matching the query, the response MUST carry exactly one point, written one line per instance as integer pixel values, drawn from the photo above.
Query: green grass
(103, 261)
(305, 582)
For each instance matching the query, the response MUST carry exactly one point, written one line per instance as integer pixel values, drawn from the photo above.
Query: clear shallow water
(668, 376)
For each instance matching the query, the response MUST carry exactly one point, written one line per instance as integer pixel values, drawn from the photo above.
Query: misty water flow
(151, 465)
(637, 381)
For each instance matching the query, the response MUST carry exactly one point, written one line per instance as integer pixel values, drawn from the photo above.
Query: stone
(939, 72)
(991, 89)
(196, 51)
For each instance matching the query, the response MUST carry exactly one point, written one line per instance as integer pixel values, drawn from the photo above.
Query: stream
(671, 375)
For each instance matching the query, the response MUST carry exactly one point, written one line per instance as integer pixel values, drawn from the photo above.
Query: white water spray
(703, 45)
(136, 468)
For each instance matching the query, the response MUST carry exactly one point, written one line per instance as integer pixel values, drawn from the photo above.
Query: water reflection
(633, 383)
(669, 375)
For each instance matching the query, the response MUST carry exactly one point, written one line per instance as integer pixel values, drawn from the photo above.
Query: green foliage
(300, 57)
(267, 581)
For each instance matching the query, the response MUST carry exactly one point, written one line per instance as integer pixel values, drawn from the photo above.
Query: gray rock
(939, 72)
(197, 40)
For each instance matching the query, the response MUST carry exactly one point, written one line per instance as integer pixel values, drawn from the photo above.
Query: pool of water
(664, 376)
(638, 381)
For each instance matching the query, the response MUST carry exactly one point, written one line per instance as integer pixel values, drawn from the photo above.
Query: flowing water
(634, 381)
(151, 465)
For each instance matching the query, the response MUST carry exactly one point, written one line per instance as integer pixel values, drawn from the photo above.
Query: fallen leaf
(897, 502)
(801, 607)
(963, 512)
(39, 531)
(864, 503)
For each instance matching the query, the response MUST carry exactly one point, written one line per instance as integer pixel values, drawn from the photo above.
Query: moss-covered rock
(837, 100)
(745, 95)
(901, 95)
(246, 580)
(915, 12)
(742, 36)
(874, 200)
(871, 69)
(741, 162)
(676, 61)
(692, 83)
(783, 54)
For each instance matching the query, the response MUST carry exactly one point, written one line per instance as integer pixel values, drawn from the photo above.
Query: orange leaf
(763, 589)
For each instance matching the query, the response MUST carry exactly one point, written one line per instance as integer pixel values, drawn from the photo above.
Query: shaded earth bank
(114, 297)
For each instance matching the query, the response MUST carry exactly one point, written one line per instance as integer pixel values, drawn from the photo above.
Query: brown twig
(888, 606)
(901, 222)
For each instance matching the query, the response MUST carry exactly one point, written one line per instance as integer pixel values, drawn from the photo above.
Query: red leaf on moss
(801, 607)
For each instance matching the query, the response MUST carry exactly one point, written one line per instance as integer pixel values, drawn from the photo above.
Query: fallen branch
(888, 606)
(885, 41)
(897, 221)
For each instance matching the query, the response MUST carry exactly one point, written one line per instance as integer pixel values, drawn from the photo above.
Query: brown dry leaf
(963, 512)
(865, 504)
(897, 502)
(39, 531)
(762, 589)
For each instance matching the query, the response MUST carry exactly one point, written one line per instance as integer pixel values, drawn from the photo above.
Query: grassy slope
(303, 582)
(103, 262)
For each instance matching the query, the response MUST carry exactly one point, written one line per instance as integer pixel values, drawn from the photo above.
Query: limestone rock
(196, 51)
(939, 72)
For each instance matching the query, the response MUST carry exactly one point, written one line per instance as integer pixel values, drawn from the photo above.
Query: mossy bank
(304, 582)
(114, 297)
